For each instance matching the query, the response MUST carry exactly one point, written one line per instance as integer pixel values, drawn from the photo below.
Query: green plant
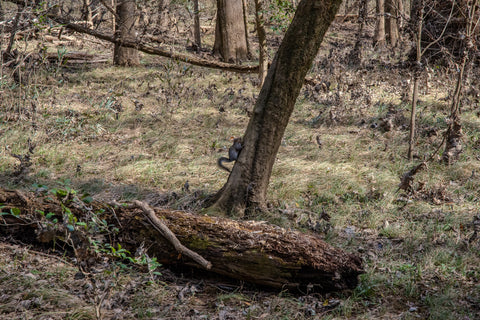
(281, 14)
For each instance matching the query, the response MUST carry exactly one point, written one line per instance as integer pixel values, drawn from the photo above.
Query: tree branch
(109, 8)
(155, 51)
(170, 236)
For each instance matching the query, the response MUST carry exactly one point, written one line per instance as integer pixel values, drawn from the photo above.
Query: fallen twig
(170, 236)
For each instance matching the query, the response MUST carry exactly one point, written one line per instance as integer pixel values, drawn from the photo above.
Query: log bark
(250, 251)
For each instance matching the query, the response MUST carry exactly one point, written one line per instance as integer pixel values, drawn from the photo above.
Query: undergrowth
(142, 133)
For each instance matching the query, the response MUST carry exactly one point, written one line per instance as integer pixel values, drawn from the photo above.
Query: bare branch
(109, 8)
(156, 51)
(170, 236)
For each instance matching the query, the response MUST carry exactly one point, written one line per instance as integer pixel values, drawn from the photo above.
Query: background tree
(2, 14)
(246, 187)
(124, 30)
(465, 51)
(162, 12)
(416, 74)
(245, 22)
(230, 41)
(262, 42)
(196, 25)
(392, 14)
(444, 32)
(355, 57)
(379, 36)
(87, 11)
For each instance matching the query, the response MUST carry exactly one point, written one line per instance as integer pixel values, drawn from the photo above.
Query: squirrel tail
(220, 163)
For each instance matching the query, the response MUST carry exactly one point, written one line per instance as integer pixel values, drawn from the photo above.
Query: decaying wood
(170, 236)
(250, 251)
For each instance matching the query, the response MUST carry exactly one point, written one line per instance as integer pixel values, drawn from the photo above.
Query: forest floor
(112, 133)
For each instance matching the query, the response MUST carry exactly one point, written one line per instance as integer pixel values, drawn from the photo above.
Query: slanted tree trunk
(230, 42)
(379, 36)
(125, 30)
(391, 21)
(262, 42)
(467, 50)
(246, 187)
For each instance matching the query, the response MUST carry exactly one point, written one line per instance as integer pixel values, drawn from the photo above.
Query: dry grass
(90, 135)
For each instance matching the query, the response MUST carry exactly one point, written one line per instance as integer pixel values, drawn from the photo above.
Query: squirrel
(233, 153)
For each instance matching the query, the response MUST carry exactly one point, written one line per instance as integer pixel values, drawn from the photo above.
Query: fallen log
(251, 251)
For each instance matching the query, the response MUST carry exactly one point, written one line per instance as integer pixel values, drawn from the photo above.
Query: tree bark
(230, 42)
(245, 23)
(125, 56)
(379, 36)
(415, 7)
(416, 77)
(247, 184)
(248, 251)
(391, 21)
(453, 136)
(355, 57)
(87, 12)
(14, 30)
(413, 115)
(196, 25)
(163, 13)
(401, 14)
(114, 15)
(2, 13)
(262, 42)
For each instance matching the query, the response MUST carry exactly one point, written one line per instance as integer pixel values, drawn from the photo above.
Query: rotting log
(254, 252)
